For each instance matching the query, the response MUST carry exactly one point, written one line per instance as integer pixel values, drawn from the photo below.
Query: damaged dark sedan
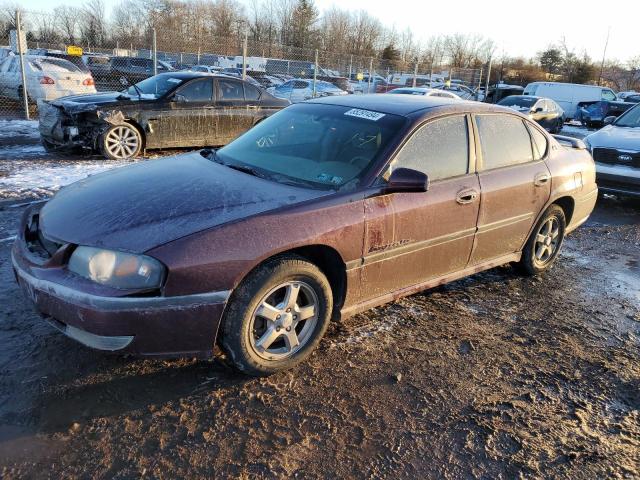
(325, 209)
(169, 110)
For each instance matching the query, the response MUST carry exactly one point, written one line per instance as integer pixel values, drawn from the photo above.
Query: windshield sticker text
(367, 114)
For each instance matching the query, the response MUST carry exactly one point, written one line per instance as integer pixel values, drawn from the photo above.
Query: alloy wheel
(284, 320)
(547, 241)
(122, 142)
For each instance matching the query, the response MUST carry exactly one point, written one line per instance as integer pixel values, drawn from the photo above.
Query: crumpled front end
(66, 124)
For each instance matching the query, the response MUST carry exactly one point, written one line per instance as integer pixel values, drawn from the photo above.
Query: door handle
(541, 179)
(465, 197)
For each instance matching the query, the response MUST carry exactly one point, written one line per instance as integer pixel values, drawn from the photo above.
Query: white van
(569, 95)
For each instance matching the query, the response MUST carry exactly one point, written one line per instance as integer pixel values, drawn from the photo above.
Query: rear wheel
(277, 316)
(545, 242)
(121, 141)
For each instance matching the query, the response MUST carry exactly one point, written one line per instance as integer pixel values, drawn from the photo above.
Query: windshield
(518, 102)
(630, 118)
(320, 146)
(155, 87)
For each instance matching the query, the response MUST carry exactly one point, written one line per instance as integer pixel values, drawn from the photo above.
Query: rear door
(236, 115)
(413, 237)
(515, 183)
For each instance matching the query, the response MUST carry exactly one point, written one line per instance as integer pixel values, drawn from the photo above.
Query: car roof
(188, 74)
(532, 97)
(408, 105)
(387, 102)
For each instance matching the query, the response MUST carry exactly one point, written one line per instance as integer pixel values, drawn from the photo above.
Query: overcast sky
(518, 28)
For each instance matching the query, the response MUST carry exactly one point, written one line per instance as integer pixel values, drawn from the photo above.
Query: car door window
(440, 149)
(608, 95)
(504, 140)
(200, 90)
(251, 92)
(299, 85)
(230, 90)
(540, 143)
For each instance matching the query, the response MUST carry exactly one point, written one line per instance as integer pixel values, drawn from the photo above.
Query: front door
(515, 183)
(413, 237)
(190, 118)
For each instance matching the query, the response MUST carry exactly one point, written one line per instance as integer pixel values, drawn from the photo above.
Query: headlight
(117, 269)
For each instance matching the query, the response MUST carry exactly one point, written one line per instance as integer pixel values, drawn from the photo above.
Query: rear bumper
(162, 326)
(619, 179)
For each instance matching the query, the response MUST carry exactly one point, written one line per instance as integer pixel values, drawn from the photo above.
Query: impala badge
(625, 158)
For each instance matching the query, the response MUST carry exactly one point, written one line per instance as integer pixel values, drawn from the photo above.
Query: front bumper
(164, 326)
(620, 179)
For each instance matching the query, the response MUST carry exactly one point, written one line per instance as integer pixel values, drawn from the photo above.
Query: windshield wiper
(244, 169)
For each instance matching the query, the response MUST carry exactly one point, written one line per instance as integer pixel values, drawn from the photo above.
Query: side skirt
(434, 282)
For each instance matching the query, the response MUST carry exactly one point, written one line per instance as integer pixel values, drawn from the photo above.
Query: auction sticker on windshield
(368, 114)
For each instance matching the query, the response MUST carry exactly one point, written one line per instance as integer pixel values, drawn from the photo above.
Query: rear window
(251, 92)
(53, 65)
(97, 61)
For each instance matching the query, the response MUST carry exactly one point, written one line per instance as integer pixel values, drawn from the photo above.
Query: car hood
(101, 99)
(623, 138)
(142, 206)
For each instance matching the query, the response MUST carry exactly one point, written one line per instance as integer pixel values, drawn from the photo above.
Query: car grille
(616, 157)
(37, 243)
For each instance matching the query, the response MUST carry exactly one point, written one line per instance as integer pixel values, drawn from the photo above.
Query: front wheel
(121, 141)
(277, 316)
(545, 242)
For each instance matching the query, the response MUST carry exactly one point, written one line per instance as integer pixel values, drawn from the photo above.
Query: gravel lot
(493, 376)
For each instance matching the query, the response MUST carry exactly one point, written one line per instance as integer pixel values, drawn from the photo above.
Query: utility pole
(604, 54)
(22, 53)
(244, 55)
(486, 85)
(155, 53)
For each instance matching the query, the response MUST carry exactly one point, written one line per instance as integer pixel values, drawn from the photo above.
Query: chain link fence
(51, 67)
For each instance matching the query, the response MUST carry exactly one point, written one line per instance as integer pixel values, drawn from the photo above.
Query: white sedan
(47, 78)
(427, 92)
(300, 89)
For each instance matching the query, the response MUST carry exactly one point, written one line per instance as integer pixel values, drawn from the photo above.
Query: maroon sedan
(324, 210)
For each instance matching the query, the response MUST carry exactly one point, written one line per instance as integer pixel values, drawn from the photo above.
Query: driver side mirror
(537, 110)
(609, 120)
(407, 180)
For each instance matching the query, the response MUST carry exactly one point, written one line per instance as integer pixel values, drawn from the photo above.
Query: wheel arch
(567, 204)
(327, 259)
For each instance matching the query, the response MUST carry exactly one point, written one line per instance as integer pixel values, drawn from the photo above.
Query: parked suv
(134, 69)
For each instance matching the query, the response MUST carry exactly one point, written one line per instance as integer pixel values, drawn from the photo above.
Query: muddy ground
(494, 376)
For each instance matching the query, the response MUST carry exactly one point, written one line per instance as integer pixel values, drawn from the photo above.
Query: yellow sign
(360, 76)
(73, 50)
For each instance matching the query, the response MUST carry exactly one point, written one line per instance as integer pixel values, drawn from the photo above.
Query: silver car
(616, 151)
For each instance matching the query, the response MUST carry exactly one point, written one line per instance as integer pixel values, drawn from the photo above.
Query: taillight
(88, 82)
(47, 81)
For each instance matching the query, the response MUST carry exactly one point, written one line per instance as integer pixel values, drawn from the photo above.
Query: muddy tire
(277, 316)
(121, 141)
(545, 242)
